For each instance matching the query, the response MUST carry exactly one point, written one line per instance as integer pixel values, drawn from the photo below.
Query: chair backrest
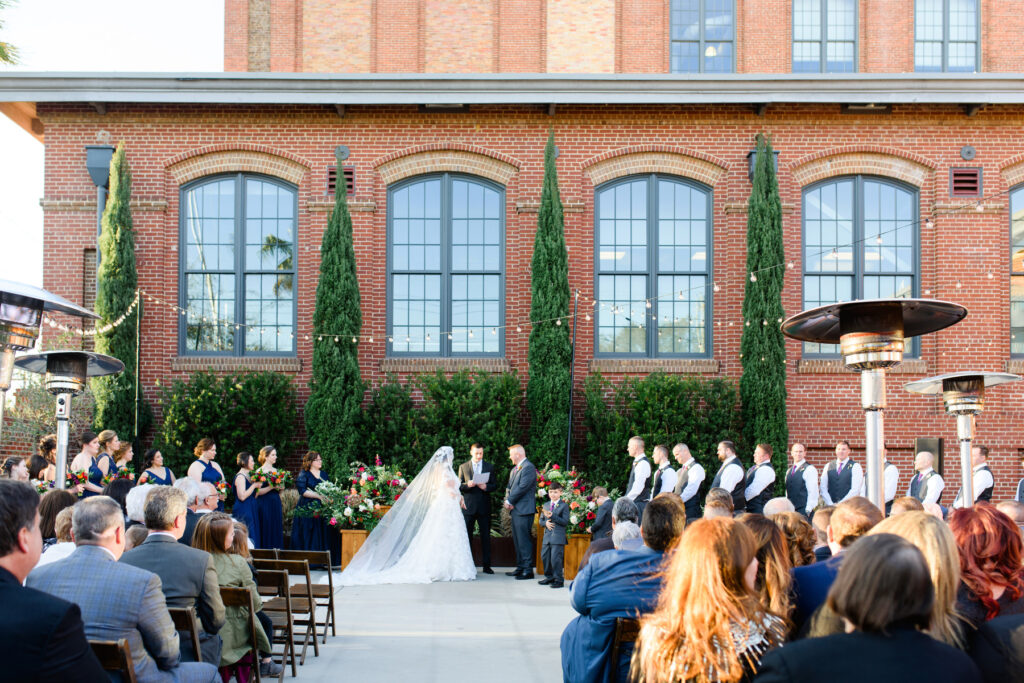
(115, 655)
(273, 583)
(263, 553)
(298, 568)
(184, 619)
(242, 597)
(626, 632)
(314, 557)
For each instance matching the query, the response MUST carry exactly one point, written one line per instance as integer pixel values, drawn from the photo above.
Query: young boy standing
(555, 516)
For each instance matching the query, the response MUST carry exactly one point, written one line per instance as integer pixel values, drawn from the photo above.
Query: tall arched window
(860, 241)
(653, 247)
(238, 266)
(446, 264)
(1017, 271)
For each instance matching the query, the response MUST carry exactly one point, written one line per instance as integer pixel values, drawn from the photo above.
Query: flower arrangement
(79, 478)
(42, 486)
(278, 479)
(342, 508)
(223, 488)
(377, 483)
(126, 472)
(576, 492)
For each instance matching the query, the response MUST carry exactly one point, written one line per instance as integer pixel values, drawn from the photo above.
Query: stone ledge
(832, 366)
(79, 205)
(1015, 366)
(569, 206)
(234, 364)
(741, 207)
(354, 205)
(401, 366)
(647, 365)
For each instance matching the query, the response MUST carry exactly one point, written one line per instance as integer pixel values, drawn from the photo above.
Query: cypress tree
(116, 283)
(333, 409)
(763, 348)
(550, 352)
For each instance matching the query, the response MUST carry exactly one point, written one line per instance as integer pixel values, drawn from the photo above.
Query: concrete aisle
(494, 629)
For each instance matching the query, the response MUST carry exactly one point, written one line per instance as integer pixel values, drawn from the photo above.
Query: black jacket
(997, 647)
(478, 500)
(602, 525)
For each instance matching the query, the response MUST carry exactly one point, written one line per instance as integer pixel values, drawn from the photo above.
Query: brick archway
(413, 163)
(207, 161)
(914, 170)
(619, 163)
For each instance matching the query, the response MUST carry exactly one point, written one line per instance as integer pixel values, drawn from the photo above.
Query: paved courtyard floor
(494, 629)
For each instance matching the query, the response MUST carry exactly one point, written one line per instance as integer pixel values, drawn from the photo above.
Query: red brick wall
(522, 36)
(236, 35)
(822, 407)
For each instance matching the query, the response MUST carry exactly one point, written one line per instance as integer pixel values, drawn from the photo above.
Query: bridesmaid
(310, 533)
(245, 497)
(154, 471)
(123, 456)
(109, 444)
(48, 452)
(87, 461)
(205, 469)
(268, 504)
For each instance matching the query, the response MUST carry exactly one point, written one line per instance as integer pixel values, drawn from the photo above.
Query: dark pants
(209, 647)
(640, 505)
(483, 518)
(268, 628)
(523, 541)
(553, 557)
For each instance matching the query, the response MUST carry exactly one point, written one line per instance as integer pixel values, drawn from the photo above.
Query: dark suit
(810, 588)
(478, 505)
(997, 647)
(905, 655)
(602, 525)
(617, 583)
(121, 601)
(191, 519)
(552, 549)
(189, 580)
(521, 494)
(45, 636)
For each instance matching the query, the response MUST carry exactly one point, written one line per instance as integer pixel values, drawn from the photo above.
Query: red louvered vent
(350, 179)
(965, 182)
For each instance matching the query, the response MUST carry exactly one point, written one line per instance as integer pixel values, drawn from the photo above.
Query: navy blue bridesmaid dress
(271, 520)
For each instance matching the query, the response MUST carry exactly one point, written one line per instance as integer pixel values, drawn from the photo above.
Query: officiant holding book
(476, 482)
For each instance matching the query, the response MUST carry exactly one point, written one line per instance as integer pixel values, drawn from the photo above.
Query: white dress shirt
(641, 473)
(667, 481)
(731, 475)
(856, 482)
(933, 489)
(892, 480)
(763, 478)
(982, 480)
(693, 481)
(811, 483)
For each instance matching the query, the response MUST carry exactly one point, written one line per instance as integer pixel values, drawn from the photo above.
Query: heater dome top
(96, 364)
(934, 385)
(919, 316)
(21, 294)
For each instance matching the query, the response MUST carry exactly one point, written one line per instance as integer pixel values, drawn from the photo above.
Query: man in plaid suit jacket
(118, 600)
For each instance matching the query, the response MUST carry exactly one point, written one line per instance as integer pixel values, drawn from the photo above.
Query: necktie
(792, 470)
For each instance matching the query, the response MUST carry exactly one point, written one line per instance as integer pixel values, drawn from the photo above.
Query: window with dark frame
(1017, 271)
(238, 266)
(824, 36)
(653, 267)
(860, 241)
(446, 237)
(946, 36)
(703, 36)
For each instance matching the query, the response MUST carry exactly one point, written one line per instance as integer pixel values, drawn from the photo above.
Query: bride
(422, 538)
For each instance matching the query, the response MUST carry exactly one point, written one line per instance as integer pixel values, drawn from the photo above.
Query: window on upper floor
(946, 35)
(238, 266)
(703, 36)
(824, 36)
(653, 267)
(446, 265)
(1017, 272)
(860, 241)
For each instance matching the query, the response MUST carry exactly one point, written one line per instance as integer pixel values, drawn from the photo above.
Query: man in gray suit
(188, 576)
(521, 502)
(118, 600)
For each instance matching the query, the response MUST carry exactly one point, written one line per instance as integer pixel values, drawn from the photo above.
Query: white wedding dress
(422, 538)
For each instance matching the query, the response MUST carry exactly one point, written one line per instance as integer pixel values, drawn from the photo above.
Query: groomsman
(730, 476)
(638, 489)
(664, 479)
(478, 500)
(927, 484)
(983, 481)
(521, 502)
(802, 481)
(842, 478)
(689, 477)
(892, 480)
(759, 479)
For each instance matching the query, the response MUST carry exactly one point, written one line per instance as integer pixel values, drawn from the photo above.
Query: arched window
(860, 241)
(446, 265)
(238, 266)
(653, 247)
(1017, 271)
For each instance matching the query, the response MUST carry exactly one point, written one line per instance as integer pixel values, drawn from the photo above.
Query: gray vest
(683, 478)
(739, 501)
(756, 504)
(1020, 492)
(796, 487)
(645, 493)
(839, 483)
(919, 485)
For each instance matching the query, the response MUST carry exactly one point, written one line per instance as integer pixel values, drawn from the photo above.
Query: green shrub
(390, 428)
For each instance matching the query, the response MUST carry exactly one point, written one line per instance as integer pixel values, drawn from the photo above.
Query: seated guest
(906, 504)
(207, 493)
(996, 648)
(991, 575)
(851, 519)
(192, 493)
(776, 505)
(118, 490)
(215, 534)
(50, 506)
(884, 593)
(602, 525)
(118, 600)
(819, 521)
(135, 536)
(188, 576)
(800, 537)
(708, 624)
(627, 536)
(617, 583)
(624, 510)
(135, 504)
(773, 579)
(64, 545)
(718, 503)
(1014, 511)
(45, 635)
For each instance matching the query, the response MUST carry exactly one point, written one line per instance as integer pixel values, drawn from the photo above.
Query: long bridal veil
(391, 538)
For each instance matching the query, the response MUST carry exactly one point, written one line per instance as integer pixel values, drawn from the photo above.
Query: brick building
(901, 167)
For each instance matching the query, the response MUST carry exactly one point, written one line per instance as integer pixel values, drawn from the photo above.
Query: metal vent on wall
(965, 182)
(350, 179)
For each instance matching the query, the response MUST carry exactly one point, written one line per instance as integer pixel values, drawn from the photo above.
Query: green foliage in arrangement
(665, 409)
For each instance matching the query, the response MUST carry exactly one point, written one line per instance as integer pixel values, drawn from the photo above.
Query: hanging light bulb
(990, 275)
(586, 317)
(929, 223)
(716, 288)
(980, 207)
(519, 328)
(470, 332)
(648, 303)
(407, 339)
(558, 322)
(494, 330)
(878, 240)
(959, 284)
(391, 340)
(371, 339)
(335, 340)
(927, 292)
(789, 266)
(320, 338)
(428, 336)
(449, 335)
(354, 340)
(753, 278)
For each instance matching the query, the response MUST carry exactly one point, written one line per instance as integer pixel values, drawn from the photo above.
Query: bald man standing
(927, 484)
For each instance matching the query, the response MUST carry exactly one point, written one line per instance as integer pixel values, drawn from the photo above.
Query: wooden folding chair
(184, 619)
(324, 595)
(115, 655)
(303, 605)
(241, 597)
(263, 553)
(277, 605)
(626, 632)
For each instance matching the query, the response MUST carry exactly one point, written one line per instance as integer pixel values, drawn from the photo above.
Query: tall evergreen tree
(550, 353)
(763, 348)
(333, 410)
(116, 283)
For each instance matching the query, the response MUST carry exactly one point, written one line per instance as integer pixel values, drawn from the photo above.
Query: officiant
(476, 482)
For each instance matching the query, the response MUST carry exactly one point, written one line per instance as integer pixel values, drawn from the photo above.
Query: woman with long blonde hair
(773, 581)
(708, 626)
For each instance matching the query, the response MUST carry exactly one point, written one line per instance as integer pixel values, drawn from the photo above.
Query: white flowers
(401, 482)
(541, 493)
(591, 505)
(362, 508)
(348, 512)
(573, 519)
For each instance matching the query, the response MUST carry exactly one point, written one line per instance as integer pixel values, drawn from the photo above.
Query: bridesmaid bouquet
(126, 472)
(281, 479)
(42, 486)
(223, 488)
(79, 478)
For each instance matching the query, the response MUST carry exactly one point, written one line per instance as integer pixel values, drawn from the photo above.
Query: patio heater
(871, 336)
(66, 373)
(21, 312)
(963, 394)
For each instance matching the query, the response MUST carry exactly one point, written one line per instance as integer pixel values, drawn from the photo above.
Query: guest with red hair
(992, 578)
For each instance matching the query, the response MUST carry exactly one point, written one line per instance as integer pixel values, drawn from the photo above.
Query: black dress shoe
(557, 584)
(523, 577)
(545, 582)
(515, 573)
(487, 570)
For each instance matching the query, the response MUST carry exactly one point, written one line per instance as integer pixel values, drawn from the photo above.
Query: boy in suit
(555, 516)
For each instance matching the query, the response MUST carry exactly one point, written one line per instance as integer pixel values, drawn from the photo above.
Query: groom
(521, 502)
(478, 500)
